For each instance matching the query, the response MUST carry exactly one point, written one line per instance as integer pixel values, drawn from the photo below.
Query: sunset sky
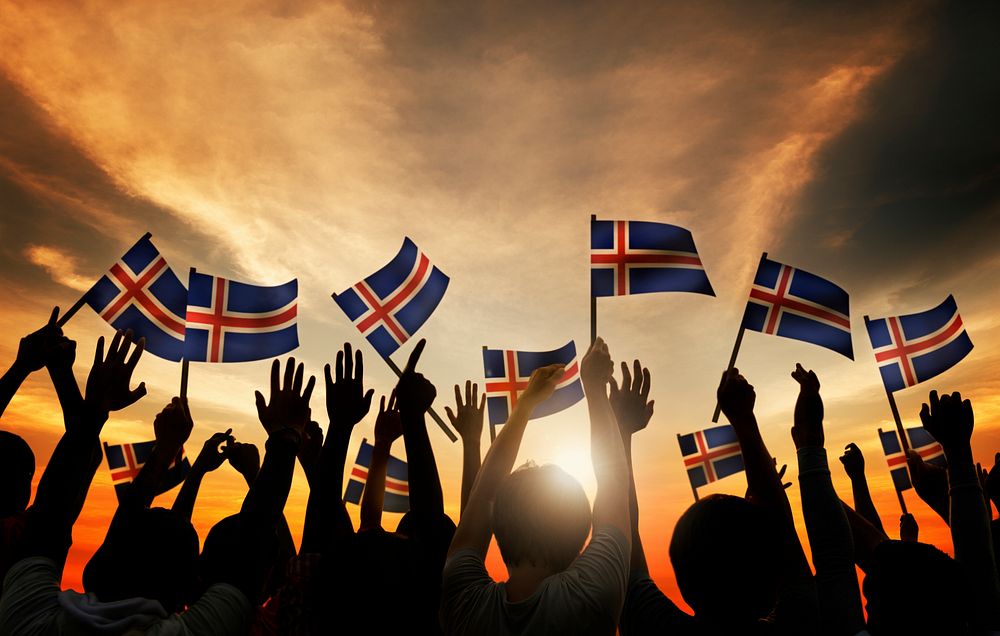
(269, 140)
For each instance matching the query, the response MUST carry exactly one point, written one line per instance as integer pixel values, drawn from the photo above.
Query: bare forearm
(638, 562)
(10, 383)
(142, 491)
(863, 503)
(373, 499)
(269, 492)
(471, 462)
(326, 519)
(426, 497)
(184, 503)
(67, 391)
(610, 464)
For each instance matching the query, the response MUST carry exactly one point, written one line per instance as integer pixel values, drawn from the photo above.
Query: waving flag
(390, 305)
(641, 257)
(711, 454)
(914, 348)
(126, 460)
(793, 303)
(140, 292)
(921, 441)
(228, 321)
(397, 485)
(507, 373)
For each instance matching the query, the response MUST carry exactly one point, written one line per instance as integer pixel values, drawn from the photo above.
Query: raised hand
(993, 481)
(949, 419)
(288, 407)
(596, 368)
(346, 400)
(414, 392)
(541, 385)
(172, 427)
(211, 456)
(908, 528)
(311, 447)
(467, 418)
(930, 482)
(808, 428)
(244, 457)
(736, 397)
(631, 402)
(110, 377)
(853, 461)
(41, 347)
(388, 425)
(781, 475)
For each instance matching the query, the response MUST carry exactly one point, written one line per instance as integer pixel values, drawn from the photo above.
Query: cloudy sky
(265, 141)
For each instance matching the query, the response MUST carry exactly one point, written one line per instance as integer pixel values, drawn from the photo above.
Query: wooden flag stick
(902, 502)
(694, 489)
(736, 346)
(593, 299)
(63, 319)
(433, 413)
(903, 441)
(184, 379)
(493, 427)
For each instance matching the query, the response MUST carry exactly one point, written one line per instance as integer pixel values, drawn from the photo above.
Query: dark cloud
(911, 191)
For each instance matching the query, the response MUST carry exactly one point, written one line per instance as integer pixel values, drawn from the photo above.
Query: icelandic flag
(140, 292)
(397, 485)
(229, 321)
(641, 257)
(711, 454)
(794, 303)
(507, 373)
(126, 460)
(914, 348)
(921, 441)
(390, 305)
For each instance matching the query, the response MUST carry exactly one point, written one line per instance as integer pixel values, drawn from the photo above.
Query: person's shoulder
(32, 567)
(222, 609)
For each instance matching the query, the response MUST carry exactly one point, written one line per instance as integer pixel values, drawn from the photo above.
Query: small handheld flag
(710, 455)
(397, 485)
(917, 347)
(126, 460)
(641, 257)
(393, 303)
(793, 303)
(895, 455)
(229, 321)
(507, 373)
(140, 292)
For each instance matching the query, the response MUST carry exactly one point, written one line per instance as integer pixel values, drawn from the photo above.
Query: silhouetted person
(541, 517)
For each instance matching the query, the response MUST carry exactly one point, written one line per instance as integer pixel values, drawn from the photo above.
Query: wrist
(384, 445)
(19, 369)
(285, 435)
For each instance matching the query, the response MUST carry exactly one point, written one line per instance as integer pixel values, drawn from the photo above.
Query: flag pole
(694, 489)
(903, 441)
(736, 346)
(433, 413)
(593, 298)
(493, 428)
(902, 502)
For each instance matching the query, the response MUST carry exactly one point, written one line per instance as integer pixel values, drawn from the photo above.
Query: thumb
(137, 394)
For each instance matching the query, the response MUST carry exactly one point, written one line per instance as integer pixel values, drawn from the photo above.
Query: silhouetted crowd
(574, 568)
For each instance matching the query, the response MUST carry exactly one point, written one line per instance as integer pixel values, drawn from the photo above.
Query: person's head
(725, 558)
(541, 517)
(151, 553)
(914, 588)
(233, 552)
(17, 467)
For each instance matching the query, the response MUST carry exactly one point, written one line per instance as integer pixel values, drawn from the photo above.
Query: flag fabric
(711, 454)
(914, 348)
(229, 321)
(641, 257)
(126, 460)
(793, 303)
(507, 374)
(140, 292)
(397, 485)
(390, 305)
(921, 441)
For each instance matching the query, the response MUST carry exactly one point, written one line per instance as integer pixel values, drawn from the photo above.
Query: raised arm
(930, 483)
(209, 459)
(347, 403)
(826, 523)
(474, 529)
(36, 350)
(854, 465)
(467, 419)
(633, 410)
(414, 395)
(388, 428)
(607, 451)
(737, 399)
(63, 487)
(172, 427)
(950, 420)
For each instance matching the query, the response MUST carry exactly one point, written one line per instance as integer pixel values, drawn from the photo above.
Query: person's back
(541, 518)
(17, 467)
